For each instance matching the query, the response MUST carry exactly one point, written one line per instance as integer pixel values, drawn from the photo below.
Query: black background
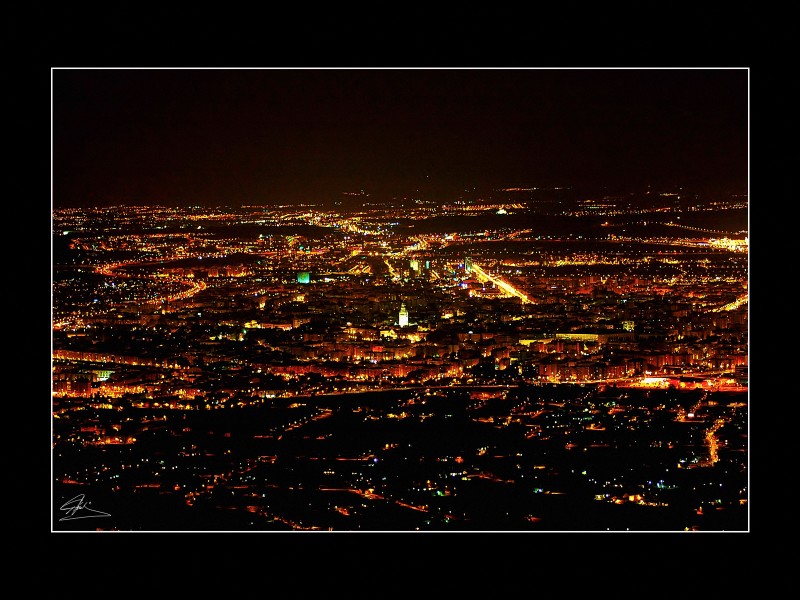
(378, 565)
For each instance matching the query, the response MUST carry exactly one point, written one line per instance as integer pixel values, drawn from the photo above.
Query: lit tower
(402, 319)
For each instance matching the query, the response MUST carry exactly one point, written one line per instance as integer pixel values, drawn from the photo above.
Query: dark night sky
(251, 136)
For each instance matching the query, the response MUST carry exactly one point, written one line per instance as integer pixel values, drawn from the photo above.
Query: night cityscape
(400, 301)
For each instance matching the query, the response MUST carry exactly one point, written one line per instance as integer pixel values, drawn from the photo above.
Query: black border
(378, 564)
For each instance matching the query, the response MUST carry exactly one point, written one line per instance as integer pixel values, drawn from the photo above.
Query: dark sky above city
(256, 136)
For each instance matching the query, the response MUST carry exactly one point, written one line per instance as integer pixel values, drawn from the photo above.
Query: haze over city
(181, 137)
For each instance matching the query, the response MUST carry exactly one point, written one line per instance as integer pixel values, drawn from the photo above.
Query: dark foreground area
(527, 458)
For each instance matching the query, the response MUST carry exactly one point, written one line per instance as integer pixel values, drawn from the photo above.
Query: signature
(78, 508)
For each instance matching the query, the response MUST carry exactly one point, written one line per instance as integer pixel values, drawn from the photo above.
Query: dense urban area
(517, 360)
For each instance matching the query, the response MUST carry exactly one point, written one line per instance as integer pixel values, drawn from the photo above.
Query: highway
(733, 305)
(510, 290)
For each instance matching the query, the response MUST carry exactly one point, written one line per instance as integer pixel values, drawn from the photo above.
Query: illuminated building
(303, 277)
(403, 317)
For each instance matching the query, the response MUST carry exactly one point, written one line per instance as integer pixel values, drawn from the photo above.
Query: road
(503, 285)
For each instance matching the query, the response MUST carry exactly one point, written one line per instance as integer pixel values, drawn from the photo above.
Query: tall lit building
(303, 277)
(402, 319)
(468, 264)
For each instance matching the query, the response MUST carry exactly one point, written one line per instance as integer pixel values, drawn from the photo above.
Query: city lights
(318, 301)
(576, 343)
